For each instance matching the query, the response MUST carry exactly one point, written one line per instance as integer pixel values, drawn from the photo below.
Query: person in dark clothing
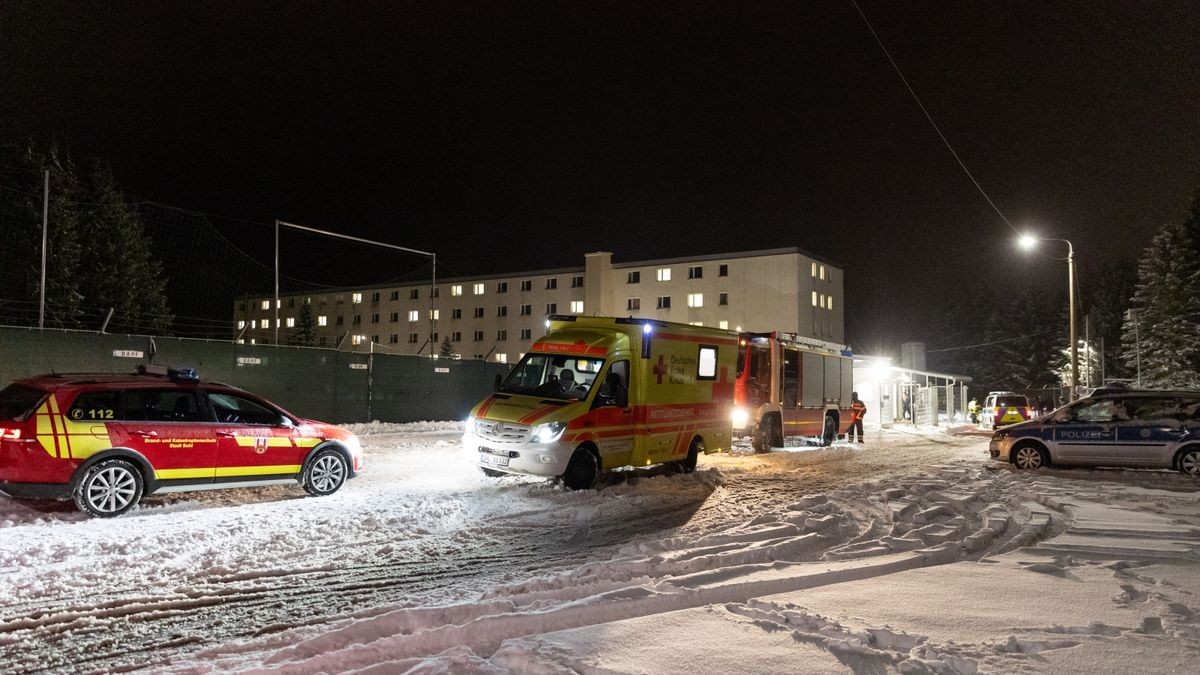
(858, 410)
(906, 404)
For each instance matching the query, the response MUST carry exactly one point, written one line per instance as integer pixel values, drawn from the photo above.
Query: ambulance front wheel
(582, 471)
(109, 488)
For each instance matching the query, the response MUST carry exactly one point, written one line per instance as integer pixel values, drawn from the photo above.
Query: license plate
(494, 460)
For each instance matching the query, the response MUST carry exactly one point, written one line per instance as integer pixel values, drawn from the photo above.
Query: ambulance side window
(614, 391)
(94, 406)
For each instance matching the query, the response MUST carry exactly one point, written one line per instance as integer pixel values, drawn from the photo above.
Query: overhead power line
(930, 118)
(988, 344)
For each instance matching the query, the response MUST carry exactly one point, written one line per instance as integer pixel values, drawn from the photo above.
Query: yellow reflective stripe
(223, 471)
(276, 442)
(173, 474)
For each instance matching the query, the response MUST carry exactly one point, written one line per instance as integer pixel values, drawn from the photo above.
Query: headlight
(469, 425)
(741, 417)
(549, 432)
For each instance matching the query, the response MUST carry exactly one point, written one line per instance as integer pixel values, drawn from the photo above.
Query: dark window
(394, 295)
(234, 409)
(394, 338)
(526, 310)
(664, 302)
(95, 405)
(375, 296)
(695, 272)
(723, 271)
(633, 303)
(340, 320)
(374, 318)
(502, 287)
(551, 284)
(723, 299)
(633, 278)
(414, 294)
(527, 285)
(412, 338)
(17, 401)
(456, 336)
(501, 335)
(357, 319)
(576, 282)
(394, 317)
(434, 292)
(160, 405)
(456, 313)
(478, 336)
(526, 334)
(552, 308)
(502, 310)
(478, 312)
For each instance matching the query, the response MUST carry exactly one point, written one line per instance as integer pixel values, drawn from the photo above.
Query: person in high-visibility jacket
(858, 410)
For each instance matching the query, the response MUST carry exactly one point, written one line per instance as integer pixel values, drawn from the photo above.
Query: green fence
(316, 383)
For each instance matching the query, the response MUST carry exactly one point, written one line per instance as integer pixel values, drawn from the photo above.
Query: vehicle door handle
(225, 434)
(151, 434)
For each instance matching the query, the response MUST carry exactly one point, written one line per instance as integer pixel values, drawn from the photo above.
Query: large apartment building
(497, 317)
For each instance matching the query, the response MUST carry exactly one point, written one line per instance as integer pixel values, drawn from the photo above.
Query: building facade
(497, 317)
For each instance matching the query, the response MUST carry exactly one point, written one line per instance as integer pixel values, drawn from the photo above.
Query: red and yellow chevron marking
(64, 438)
(276, 442)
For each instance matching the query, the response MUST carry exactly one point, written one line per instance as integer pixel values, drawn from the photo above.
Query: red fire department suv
(106, 440)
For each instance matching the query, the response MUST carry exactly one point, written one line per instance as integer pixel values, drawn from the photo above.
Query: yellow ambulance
(596, 393)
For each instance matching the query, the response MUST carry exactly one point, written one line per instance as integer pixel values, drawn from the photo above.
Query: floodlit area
(912, 552)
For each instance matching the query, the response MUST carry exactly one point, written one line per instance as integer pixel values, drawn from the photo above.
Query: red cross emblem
(660, 369)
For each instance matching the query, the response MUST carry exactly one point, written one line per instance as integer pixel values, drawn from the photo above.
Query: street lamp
(1027, 242)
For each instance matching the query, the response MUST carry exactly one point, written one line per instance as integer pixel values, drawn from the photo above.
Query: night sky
(511, 136)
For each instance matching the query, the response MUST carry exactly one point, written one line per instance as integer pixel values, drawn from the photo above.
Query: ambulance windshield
(553, 376)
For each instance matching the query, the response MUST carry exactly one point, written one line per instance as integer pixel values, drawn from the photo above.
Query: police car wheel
(325, 473)
(582, 471)
(1189, 462)
(109, 488)
(491, 473)
(1029, 457)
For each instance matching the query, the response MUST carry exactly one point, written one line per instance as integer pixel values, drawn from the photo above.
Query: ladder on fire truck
(814, 344)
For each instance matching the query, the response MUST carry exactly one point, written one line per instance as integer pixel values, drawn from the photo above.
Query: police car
(106, 439)
(1134, 428)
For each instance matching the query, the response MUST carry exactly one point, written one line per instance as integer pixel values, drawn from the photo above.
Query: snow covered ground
(910, 553)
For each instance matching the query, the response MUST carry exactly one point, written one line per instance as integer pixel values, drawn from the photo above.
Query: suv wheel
(1189, 461)
(325, 474)
(109, 488)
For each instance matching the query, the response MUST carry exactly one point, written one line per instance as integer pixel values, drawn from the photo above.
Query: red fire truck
(791, 386)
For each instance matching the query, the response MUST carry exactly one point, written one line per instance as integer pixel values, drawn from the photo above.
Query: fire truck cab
(598, 393)
(790, 386)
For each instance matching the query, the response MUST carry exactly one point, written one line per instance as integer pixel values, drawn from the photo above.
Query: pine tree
(1167, 306)
(447, 349)
(305, 334)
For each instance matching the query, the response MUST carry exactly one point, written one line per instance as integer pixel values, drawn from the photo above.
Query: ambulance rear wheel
(582, 471)
(688, 464)
(325, 473)
(829, 433)
(109, 488)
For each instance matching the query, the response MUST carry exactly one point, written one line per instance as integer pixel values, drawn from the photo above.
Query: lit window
(414, 315)
(254, 323)
(322, 320)
(664, 274)
(456, 289)
(356, 298)
(501, 358)
(241, 342)
(577, 307)
(830, 302)
(814, 270)
(723, 325)
(478, 289)
(695, 299)
(696, 323)
(814, 298)
(291, 323)
(822, 275)
(707, 367)
(252, 341)
(266, 304)
(357, 339)
(822, 301)
(241, 325)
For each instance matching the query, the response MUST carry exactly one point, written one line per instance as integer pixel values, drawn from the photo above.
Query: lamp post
(1027, 242)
